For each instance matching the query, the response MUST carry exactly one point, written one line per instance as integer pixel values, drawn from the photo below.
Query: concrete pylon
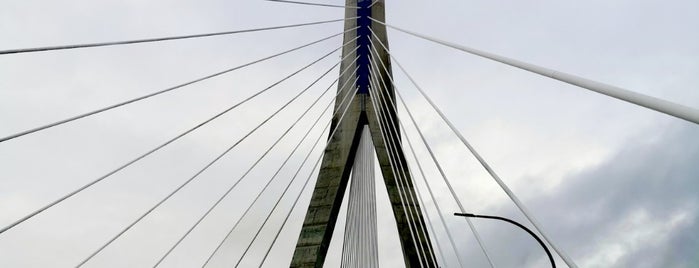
(321, 216)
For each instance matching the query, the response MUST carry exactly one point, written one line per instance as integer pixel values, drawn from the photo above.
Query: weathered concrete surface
(319, 223)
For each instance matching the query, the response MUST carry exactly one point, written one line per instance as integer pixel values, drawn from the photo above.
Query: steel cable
(369, 184)
(251, 168)
(401, 160)
(419, 198)
(383, 98)
(660, 105)
(396, 176)
(430, 228)
(405, 182)
(158, 39)
(158, 147)
(439, 167)
(441, 171)
(209, 165)
(434, 200)
(246, 173)
(310, 4)
(70, 119)
(286, 218)
(279, 200)
(569, 261)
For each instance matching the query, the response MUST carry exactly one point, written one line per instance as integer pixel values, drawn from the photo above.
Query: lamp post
(548, 253)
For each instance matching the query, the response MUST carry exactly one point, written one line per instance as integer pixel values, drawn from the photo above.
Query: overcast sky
(614, 184)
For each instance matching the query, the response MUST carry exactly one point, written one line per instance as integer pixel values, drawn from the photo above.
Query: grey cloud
(657, 177)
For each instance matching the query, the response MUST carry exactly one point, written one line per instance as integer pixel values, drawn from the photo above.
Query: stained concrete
(322, 213)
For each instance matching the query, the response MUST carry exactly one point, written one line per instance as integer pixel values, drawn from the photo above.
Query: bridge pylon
(322, 213)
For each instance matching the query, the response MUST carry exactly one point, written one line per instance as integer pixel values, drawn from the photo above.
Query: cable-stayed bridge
(364, 124)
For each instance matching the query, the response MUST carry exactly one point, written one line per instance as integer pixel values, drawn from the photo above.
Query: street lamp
(548, 253)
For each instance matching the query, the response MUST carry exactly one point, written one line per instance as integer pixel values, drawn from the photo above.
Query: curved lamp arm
(548, 253)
